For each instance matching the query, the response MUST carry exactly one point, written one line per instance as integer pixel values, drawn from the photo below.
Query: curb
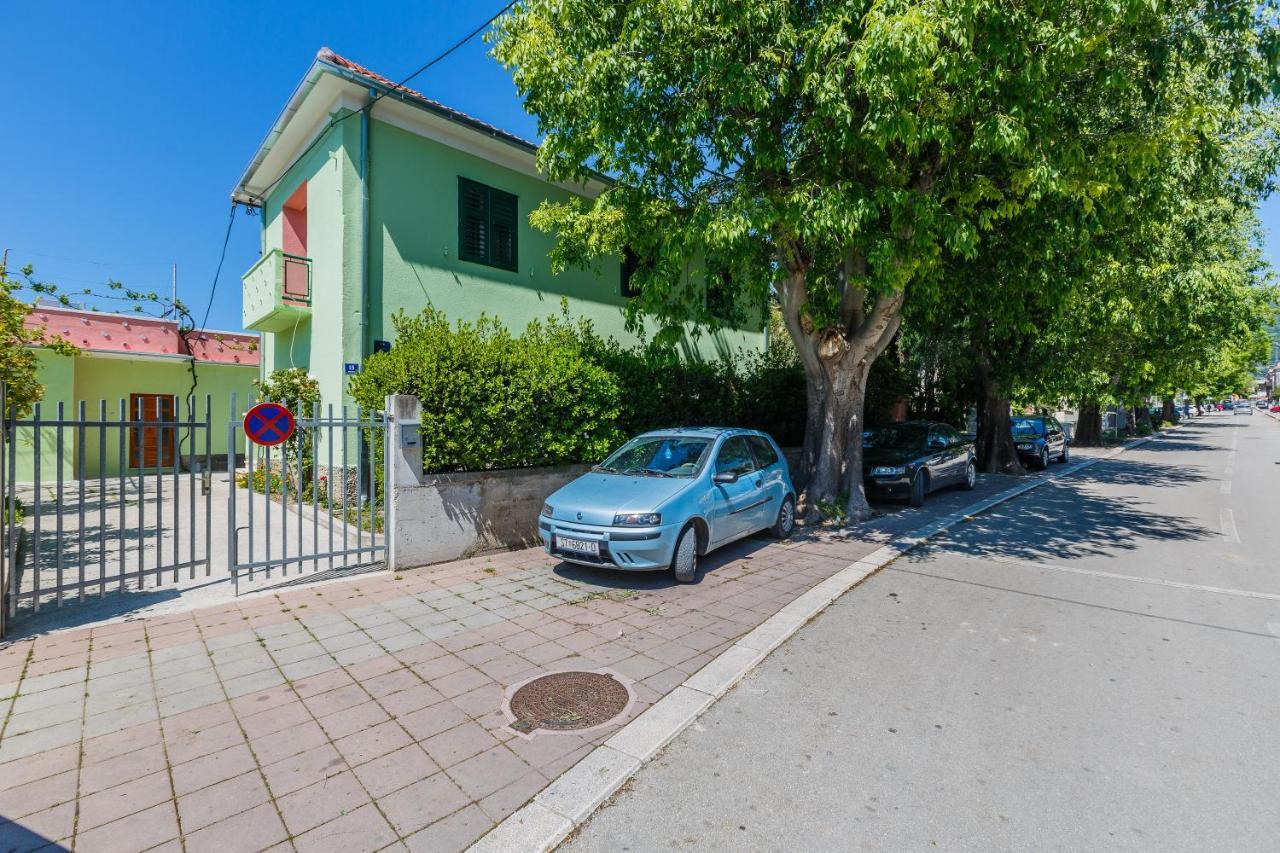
(570, 799)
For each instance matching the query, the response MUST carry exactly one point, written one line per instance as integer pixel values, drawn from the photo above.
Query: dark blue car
(1038, 439)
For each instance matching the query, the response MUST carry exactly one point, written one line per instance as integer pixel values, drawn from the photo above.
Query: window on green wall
(487, 225)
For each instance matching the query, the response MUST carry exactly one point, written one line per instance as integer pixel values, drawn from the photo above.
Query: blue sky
(126, 125)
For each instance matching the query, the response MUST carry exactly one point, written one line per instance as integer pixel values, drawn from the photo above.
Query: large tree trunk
(1088, 425)
(1170, 412)
(839, 446)
(994, 445)
(836, 361)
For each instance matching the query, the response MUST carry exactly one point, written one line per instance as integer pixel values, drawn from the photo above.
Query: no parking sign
(269, 424)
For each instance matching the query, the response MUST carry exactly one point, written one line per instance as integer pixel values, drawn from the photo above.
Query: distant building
(146, 363)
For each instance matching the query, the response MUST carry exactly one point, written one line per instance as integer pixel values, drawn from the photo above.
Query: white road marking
(1226, 487)
(1195, 587)
(1227, 519)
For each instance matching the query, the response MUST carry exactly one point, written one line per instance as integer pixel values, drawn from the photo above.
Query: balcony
(277, 292)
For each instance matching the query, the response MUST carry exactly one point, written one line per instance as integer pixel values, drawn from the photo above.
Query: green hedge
(494, 400)
(559, 393)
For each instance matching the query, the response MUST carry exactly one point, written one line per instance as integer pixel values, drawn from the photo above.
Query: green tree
(835, 150)
(17, 359)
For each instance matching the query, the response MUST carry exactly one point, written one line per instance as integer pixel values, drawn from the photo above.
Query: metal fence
(313, 503)
(97, 504)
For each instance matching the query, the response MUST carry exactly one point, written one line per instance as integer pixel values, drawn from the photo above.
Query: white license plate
(579, 546)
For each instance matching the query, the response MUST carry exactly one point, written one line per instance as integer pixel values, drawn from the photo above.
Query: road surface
(1094, 666)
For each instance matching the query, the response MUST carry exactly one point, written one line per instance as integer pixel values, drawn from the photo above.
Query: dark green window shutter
(473, 221)
(488, 225)
(503, 229)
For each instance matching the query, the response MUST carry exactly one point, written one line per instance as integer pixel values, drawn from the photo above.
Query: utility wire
(394, 88)
(222, 257)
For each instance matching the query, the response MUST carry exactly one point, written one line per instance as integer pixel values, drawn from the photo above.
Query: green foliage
(261, 481)
(19, 512)
(846, 154)
(293, 387)
(560, 393)
(494, 400)
(17, 360)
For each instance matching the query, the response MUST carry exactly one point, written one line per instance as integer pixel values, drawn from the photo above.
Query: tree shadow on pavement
(1128, 471)
(1065, 520)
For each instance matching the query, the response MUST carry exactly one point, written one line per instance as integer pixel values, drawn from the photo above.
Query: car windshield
(658, 456)
(895, 437)
(1028, 427)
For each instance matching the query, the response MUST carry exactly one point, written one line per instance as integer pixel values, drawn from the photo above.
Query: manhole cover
(566, 701)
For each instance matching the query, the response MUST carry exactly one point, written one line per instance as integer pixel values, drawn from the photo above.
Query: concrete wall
(451, 516)
(440, 517)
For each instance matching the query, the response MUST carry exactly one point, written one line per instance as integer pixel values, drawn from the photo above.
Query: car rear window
(1026, 426)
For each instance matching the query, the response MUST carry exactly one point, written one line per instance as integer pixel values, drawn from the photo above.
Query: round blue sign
(269, 424)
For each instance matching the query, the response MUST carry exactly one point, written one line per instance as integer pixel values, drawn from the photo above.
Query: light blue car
(667, 496)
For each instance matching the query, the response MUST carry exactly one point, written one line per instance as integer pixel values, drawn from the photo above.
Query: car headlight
(888, 471)
(637, 519)
(547, 510)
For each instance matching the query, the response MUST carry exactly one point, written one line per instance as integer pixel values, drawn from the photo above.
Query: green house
(402, 206)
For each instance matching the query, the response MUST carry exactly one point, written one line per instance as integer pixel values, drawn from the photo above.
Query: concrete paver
(365, 709)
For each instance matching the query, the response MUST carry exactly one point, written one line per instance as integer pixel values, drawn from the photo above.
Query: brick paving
(365, 714)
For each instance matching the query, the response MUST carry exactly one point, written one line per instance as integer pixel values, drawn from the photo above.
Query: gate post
(403, 472)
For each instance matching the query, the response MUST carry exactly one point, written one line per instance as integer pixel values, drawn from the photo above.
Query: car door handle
(759, 482)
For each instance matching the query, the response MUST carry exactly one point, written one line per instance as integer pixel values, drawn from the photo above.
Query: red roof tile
(327, 55)
(141, 335)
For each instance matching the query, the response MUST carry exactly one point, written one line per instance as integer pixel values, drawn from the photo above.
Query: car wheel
(1043, 462)
(786, 520)
(684, 562)
(917, 488)
(1066, 455)
(970, 476)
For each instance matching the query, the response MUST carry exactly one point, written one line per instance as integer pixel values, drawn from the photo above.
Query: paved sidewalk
(365, 714)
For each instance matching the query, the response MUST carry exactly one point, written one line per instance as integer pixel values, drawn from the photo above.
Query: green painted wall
(413, 223)
(414, 258)
(94, 378)
(57, 374)
(331, 336)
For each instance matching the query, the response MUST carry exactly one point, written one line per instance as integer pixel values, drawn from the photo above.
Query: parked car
(1038, 438)
(668, 496)
(909, 460)
(1276, 407)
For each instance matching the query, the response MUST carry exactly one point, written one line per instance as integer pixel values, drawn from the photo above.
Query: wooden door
(152, 446)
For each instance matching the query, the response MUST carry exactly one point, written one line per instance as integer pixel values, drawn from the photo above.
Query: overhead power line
(217, 273)
(440, 57)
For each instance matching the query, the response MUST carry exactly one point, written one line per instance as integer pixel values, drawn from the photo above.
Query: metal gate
(98, 503)
(314, 503)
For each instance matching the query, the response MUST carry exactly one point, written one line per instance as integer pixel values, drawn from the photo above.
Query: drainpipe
(364, 225)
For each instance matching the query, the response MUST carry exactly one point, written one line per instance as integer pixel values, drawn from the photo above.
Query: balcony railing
(277, 292)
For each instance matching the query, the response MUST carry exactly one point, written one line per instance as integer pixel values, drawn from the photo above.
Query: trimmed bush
(560, 393)
(494, 400)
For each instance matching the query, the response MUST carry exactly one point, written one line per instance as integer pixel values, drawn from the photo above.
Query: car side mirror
(725, 477)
